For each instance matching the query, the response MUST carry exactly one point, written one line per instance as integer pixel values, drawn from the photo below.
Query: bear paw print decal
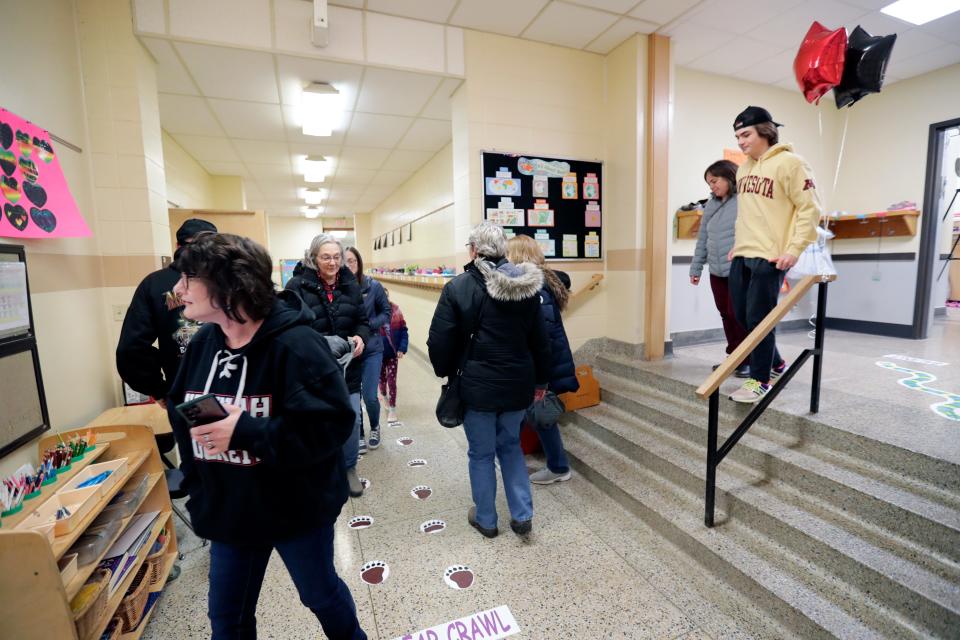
(433, 526)
(375, 572)
(360, 522)
(421, 492)
(458, 577)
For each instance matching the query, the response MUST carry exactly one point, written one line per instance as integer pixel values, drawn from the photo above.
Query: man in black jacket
(155, 314)
(488, 323)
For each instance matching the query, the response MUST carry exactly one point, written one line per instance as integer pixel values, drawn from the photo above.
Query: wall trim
(706, 336)
(888, 329)
(875, 257)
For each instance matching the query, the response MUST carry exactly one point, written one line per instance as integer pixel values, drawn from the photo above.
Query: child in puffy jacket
(395, 343)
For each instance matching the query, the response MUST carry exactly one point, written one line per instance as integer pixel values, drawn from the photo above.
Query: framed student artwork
(556, 201)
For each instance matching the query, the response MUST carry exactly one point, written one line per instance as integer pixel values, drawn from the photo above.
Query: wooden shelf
(882, 224)
(422, 282)
(686, 224)
(46, 492)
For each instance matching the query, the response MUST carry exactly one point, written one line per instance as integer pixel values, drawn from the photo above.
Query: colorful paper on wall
(592, 215)
(34, 195)
(506, 214)
(591, 245)
(569, 245)
(568, 190)
(534, 166)
(591, 187)
(541, 215)
(541, 186)
(547, 245)
(504, 184)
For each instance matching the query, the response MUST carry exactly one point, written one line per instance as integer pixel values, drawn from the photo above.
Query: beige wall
(289, 238)
(249, 224)
(189, 186)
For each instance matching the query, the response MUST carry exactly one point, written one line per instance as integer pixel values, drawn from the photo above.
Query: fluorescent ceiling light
(312, 212)
(316, 168)
(313, 196)
(339, 234)
(921, 11)
(320, 109)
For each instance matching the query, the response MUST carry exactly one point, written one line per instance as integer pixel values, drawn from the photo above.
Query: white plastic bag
(815, 259)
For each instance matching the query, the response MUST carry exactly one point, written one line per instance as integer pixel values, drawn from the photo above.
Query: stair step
(809, 598)
(896, 568)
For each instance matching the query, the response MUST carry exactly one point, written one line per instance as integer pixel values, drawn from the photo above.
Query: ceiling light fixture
(313, 196)
(320, 108)
(316, 168)
(921, 11)
(339, 234)
(312, 212)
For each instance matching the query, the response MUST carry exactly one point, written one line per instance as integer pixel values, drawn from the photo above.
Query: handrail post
(711, 457)
(818, 347)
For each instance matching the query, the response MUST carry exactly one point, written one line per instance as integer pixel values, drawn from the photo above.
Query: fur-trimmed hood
(510, 282)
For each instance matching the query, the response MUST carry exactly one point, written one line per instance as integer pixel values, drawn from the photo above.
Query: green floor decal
(917, 380)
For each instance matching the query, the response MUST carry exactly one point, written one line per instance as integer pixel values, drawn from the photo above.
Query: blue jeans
(553, 448)
(492, 433)
(236, 575)
(370, 382)
(351, 448)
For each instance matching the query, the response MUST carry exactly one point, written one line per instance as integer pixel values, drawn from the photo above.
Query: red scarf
(328, 288)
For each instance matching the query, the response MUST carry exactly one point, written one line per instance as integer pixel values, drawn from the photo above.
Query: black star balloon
(864, 67)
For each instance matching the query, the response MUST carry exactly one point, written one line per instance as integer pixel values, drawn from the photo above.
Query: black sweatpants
(754, 287)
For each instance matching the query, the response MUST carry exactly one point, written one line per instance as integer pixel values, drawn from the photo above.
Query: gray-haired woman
(494, 304)
(333, 294)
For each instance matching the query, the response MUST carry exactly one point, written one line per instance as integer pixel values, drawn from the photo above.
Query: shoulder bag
(450, 407)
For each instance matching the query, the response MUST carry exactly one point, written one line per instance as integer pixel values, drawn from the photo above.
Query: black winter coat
(346, 316)
(563, 371)
(511, 353)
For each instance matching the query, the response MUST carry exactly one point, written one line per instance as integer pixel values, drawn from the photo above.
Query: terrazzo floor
(589, 570)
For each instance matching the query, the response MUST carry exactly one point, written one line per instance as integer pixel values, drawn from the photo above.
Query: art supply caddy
(86, 539)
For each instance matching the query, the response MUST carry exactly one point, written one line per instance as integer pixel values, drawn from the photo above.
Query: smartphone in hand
(202, 410)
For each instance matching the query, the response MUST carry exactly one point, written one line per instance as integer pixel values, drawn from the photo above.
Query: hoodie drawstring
(228, 364)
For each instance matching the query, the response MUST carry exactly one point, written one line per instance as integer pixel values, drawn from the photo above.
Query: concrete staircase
(829, 533)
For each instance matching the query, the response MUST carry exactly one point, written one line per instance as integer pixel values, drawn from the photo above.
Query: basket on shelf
(134, 602)
(90, 613)
(116, 630)
(155, 561)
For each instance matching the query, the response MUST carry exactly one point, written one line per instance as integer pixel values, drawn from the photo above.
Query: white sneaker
(751, 391)
(391, 414)
(545, 476)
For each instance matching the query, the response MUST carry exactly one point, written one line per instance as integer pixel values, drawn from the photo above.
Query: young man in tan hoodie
(778, 209)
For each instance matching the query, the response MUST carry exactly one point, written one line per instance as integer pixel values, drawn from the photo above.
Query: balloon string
(843, 141)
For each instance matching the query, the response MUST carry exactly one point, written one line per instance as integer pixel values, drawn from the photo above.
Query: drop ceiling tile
(879, 24)
(913, 42)
(620, 31)
(215, 168)
(739, 53)
(346, 40)
(235, 74)
(790, 26)
(869, 4)
(292, 123)
(251, 190)
(569, 25)
(249, 120)
(314, 149)
(691, 41)
(378, 191)
(455, 51)
(356, 4)
(260, 171)
(439, 106)
(401, 42)
(353, 176)
(433, 11)
(263, 152)
(388, 178)
(186, 114)
(614, 6)
(244, 22)
(204, 148)
(370, 130)
(148, 16)
(738, 16)
(662, 11)
(402, 160)
(489, 15)
(768, 70)
(398, 93)
(362, 157)
(296, 73)
(171, 75)
(925, 62)
(946, 28)
(427, 135)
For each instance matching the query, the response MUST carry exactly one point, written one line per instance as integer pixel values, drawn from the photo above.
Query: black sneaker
(742, 371)
(472, 519)
(521, 528)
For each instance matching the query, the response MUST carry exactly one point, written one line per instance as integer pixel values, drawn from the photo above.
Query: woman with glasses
(270, 474)
(332, 292)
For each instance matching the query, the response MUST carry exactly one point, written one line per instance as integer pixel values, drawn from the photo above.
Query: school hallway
(589, 570)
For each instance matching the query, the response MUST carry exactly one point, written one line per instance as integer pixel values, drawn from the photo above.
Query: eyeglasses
(335, 258)
(186, 277)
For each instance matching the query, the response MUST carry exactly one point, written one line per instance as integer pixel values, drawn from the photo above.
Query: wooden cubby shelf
(34, 601)
(883, 224)
(422, 282)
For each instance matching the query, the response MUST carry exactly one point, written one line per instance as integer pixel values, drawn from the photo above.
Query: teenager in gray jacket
(714, 242)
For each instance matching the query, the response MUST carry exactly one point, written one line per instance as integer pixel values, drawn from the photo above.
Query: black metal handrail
(716, 455)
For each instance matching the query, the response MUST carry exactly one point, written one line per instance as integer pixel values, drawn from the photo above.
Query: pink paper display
(26, 152)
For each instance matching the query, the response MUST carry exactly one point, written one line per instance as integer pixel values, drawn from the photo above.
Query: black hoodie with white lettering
(284, 473)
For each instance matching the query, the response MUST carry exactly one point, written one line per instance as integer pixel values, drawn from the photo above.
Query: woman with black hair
(270, 474)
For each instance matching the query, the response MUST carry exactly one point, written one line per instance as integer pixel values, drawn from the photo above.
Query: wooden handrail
(713, 382)
(590, 286)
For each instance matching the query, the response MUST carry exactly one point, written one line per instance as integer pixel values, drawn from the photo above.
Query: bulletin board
(557, 202)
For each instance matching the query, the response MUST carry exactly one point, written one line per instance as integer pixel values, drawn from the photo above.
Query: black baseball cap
(190, 228)
(753, 116)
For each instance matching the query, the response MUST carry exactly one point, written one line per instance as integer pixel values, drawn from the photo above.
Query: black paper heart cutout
(17, 216)
(43, 218)
(35, 193)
